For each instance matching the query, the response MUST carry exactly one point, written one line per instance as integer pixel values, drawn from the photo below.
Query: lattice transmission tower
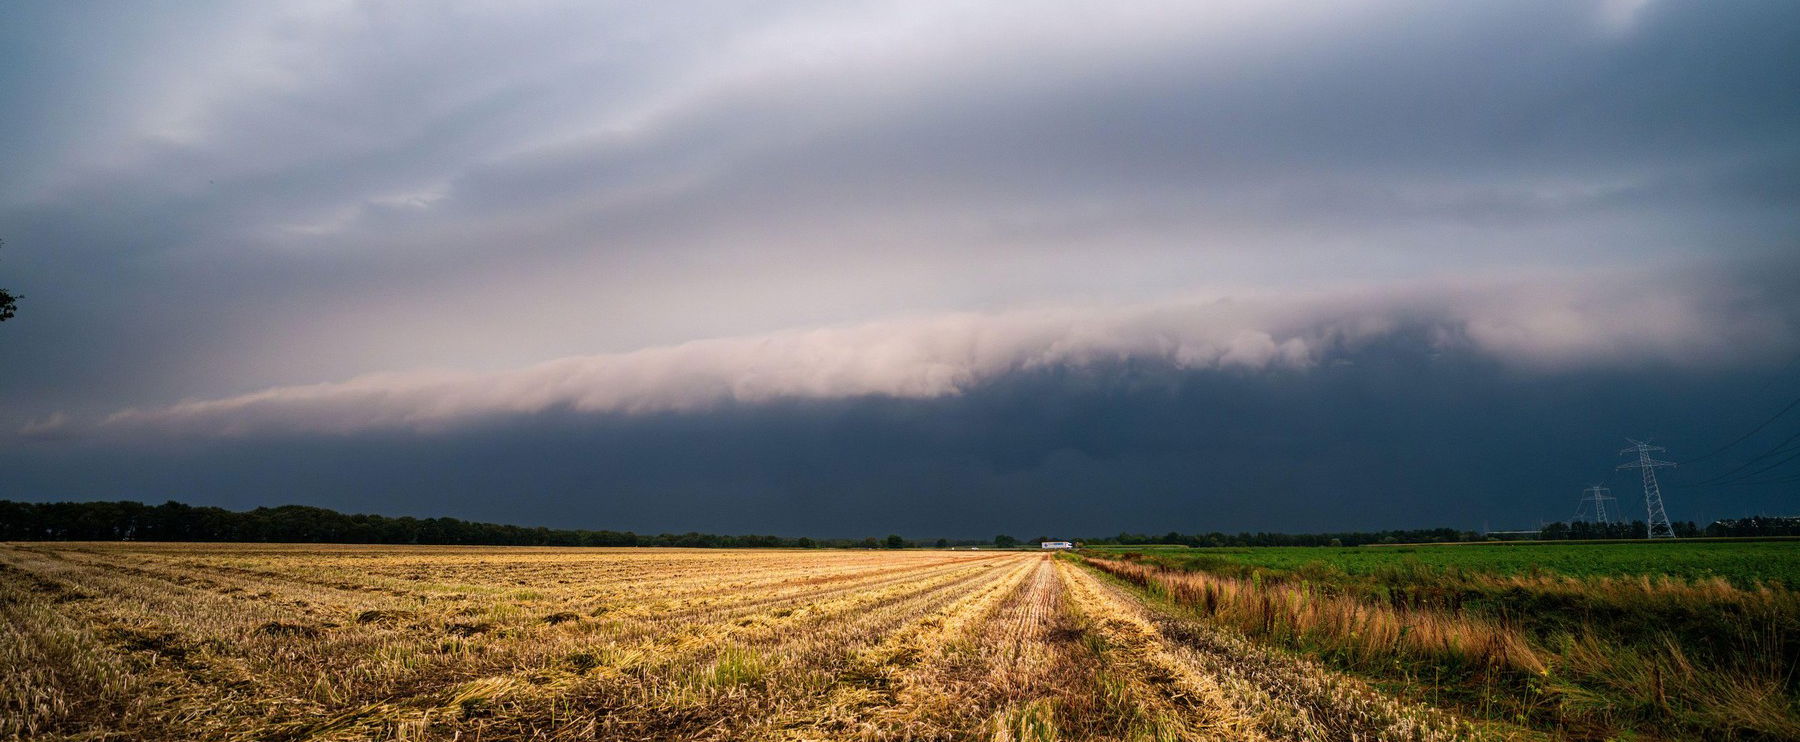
(1597, 494)
(1659, 521)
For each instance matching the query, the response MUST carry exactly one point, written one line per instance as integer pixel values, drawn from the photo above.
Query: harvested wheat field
(242, 642)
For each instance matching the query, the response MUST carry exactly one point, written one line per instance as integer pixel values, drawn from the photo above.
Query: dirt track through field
(165, 642)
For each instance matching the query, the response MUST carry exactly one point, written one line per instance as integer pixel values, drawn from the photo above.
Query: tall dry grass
(1218, 685)
(1366, 633)
(1590, 657)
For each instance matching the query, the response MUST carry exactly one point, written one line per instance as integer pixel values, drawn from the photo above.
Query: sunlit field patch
(258, 642)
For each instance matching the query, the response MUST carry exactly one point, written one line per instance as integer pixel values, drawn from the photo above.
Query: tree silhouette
(9, 303)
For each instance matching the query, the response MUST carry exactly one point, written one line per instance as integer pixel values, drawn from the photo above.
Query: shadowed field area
(238, 642)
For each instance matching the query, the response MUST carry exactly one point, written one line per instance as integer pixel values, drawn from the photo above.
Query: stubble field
(257, 642)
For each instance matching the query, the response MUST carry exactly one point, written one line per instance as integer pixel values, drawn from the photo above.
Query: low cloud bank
(1532, 325)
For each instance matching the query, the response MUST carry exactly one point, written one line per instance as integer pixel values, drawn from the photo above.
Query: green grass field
(1743, 563)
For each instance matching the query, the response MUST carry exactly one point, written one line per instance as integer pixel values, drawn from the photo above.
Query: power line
(1737, 475)
(1777, 450)
(1759, 482)
(1770, 467)
(1753, 431)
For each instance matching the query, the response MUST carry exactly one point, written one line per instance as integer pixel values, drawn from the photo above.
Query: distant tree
(943, 543)
(871, 543)
(1004, 541)
(9, 303)
(895, 542)
(805, 543)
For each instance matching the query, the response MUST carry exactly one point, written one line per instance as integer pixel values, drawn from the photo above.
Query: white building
(1056, 545)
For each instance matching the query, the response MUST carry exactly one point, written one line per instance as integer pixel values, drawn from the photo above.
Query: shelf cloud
(1539, 326)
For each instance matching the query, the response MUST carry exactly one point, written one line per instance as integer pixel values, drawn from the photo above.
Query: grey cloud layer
(1576, 323)
(809, 266)
(215, 200)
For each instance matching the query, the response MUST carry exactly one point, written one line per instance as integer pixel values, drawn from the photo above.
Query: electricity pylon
(1598, 495)
(1658, 526)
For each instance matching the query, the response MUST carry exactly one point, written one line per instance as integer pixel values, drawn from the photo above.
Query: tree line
(1581, 529)
(1348, 538)
(174, 521)
(1760, 526)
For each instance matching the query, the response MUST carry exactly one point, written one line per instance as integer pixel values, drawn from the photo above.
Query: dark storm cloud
(1398, 435)
(377, 220)
(1408, 422)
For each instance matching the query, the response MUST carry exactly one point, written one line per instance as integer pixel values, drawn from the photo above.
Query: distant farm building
(1056, 545)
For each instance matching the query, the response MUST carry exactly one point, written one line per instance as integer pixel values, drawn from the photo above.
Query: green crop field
(1743, 563)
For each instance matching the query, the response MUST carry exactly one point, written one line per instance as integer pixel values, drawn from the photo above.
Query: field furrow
(951, 673)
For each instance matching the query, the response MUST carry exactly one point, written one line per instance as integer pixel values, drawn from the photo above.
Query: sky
(941, 269)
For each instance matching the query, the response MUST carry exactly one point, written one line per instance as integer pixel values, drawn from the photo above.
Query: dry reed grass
(1317, 616)
(1715, 660)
